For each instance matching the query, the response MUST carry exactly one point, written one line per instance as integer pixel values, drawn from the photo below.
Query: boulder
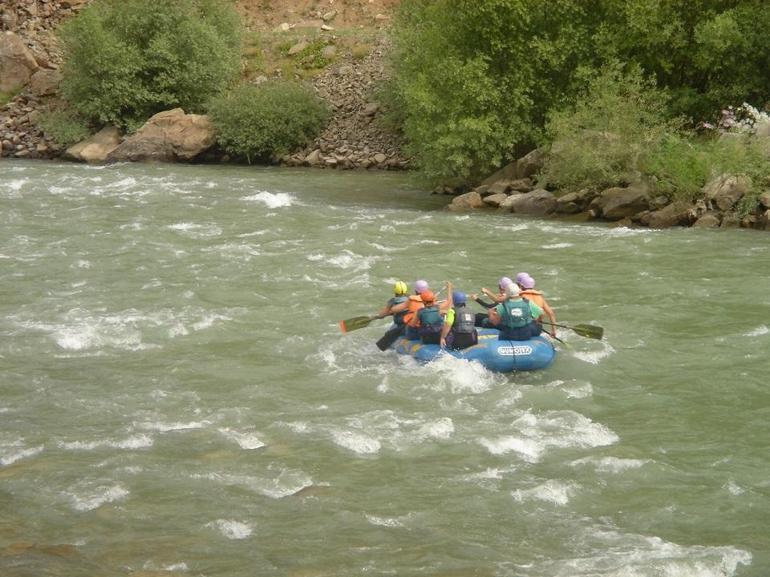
(730, 220)
(725, 190)
(494, 199)
(568, 204)
(530, 164)
(45, 82)
(17, 64)
(764, 199)
(167, 137)
(675, 214)
(708, 220)
(499, 187)
(521, 185)
(539, 202)
(96, 148)
(618, 203)
(297, 48)
(467, 201)
(314, 158)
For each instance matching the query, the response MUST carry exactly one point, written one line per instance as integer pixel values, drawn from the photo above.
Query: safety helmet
(428, 297)
(420, 286)
(400, 288)
(458, 297)
(521, 276)
(504, 282)
(512, 290)
(527, 282)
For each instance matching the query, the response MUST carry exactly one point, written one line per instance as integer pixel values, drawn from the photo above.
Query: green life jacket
(431, 320)
(398, 318)
(516, 314)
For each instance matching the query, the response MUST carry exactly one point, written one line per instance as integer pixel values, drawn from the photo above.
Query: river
(176, 396)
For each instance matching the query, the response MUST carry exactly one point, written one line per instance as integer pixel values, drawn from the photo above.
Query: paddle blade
(355, 323)
(589, 331)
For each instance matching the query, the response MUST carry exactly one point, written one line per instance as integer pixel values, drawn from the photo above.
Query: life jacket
(516, 314)
(398, 318)
(534, 296)
(414, 304)
(430, 320)
(465, 321)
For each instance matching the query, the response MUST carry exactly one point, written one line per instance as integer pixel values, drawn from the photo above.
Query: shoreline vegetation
(646, 118)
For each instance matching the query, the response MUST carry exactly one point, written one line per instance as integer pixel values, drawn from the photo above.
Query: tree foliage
(125, 60)
(273, 118)
(476, 80)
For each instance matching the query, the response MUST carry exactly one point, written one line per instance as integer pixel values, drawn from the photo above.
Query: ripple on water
(232, 529)
(90, 498)
(535, 434)
(552, 491)
(272, 199)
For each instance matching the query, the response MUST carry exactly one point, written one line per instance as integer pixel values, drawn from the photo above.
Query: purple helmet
(420, 286)
(520, 276)
(527, 282)
(504, 282)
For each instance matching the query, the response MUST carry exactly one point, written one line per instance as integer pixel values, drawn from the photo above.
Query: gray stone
(500, 187)
(539, 202)
(530, 164)
(675, 214)
(468, 201)
(521, 184)
(314, 158)
(297, 48)
(380, 158)
(45, 82)
(371, 109)
(97, 148)
(725, 190)
(618, 203)
(17, 64)
(764, 199)
(168, 136)
(494, 199)
(329, 51)
(329, 16)
(708, 220)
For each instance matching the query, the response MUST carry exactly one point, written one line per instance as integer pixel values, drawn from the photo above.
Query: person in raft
(399, 296)
(482, 319)
(410, 307)
(430, 318)
(459, 331)
(527, 285)
(516, 316)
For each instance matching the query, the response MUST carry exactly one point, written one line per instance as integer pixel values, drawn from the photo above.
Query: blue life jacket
(516, 314)
(431, 320)
(398, 318)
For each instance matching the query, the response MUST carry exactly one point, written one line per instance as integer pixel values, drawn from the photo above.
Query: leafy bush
(65, 126)
(476, 80)
(126, 60)
(603, 139)
(273, 118)
(681, 166)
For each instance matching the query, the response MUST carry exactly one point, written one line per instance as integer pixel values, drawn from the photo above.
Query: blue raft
(496, 355)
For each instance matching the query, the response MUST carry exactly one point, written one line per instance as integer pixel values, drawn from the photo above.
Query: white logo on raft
(515, 350)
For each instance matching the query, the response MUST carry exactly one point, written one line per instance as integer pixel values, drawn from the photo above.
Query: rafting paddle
(356, 323)
(588, 331)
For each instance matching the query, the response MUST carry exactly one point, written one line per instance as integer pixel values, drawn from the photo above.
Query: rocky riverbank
(726, 201)
(30, 58)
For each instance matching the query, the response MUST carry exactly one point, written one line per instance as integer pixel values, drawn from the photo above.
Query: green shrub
(64, 125)
(126, 60)
(681, 166)
(604, 138)
(273, 118)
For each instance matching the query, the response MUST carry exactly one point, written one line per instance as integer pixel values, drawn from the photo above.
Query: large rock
(524, 167)
(45, 82)
(167, 137)
(675, 214)
(97, 148)
(17, 64)
(495, 200)
(708, 220)
(764, 199)
(725, 190)
(618, 203)
(537, 203)
(467, 201)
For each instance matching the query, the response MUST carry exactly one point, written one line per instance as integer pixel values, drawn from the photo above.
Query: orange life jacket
(414, 304)
(534, 296)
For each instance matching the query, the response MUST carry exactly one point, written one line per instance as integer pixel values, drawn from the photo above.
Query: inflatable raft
(496, 355)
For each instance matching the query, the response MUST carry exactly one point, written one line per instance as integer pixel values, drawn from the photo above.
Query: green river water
(176, 397)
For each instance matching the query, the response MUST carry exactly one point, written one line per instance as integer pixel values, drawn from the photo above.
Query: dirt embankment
(337, 45)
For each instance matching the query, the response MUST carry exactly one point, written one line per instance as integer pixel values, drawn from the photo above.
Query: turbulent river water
(176, 397)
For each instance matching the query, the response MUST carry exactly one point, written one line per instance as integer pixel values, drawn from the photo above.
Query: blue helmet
(459, 298)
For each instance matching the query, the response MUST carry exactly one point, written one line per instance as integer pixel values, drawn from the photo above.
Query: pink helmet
(527, 282)
(504, 282)
(520, 276)
(420, 286)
